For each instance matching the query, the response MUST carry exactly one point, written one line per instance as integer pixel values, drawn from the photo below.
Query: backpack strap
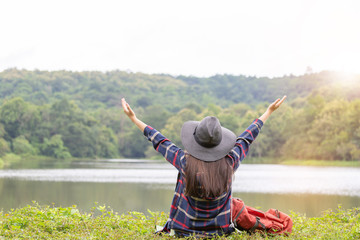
(277, 213)
(238, 215)
(257, 224)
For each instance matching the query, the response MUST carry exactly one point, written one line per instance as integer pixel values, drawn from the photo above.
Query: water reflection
(298, 179)
(309, 204)
(249, 178)
(137, 186)
(122, 197)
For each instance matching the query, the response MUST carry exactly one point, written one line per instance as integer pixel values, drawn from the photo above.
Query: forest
(64, 114)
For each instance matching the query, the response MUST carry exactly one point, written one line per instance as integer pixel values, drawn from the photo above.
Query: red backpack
(250, 219)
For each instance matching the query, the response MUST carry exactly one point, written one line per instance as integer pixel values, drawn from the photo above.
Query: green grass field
(47, 222)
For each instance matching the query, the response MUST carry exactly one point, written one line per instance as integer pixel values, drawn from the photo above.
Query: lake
(138, 185)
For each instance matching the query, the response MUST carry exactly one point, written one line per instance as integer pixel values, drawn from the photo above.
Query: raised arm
(161, 144)
(131, 114)
(243, 142)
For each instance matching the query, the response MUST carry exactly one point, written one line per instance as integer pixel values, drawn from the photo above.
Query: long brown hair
(207, 179)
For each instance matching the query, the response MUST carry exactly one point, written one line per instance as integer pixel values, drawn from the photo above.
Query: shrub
(22, 146)
(55, 147)
(4, 147)
(10, 158)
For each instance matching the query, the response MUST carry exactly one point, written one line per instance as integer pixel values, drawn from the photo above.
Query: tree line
(93, 90)
(65, 114)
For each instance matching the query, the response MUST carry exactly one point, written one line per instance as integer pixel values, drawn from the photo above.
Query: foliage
(63, 114)
(55, 147)
(11, 116)
(94, 90)
(48, 222)
(4, 147)
(10, 158)
(22, 146)
(173, 127)
(45, 222)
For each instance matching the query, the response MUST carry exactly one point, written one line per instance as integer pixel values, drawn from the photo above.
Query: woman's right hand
(275, 105)
(272, 107)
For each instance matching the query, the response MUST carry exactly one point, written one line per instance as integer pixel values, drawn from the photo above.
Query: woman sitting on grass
(202, 201)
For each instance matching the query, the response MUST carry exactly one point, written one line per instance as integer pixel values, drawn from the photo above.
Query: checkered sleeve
(161, 144)
(243, 142)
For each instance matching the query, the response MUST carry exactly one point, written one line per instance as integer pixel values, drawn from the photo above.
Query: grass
(49, 222)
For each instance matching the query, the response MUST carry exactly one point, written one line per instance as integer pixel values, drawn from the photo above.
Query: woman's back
(200, 215)
(207, 179)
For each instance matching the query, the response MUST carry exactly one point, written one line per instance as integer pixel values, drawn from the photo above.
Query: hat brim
(203, 153)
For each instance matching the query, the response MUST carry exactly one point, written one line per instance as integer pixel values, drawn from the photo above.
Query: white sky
(189, 37)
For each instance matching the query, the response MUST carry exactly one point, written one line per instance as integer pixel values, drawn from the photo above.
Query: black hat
(207, 140)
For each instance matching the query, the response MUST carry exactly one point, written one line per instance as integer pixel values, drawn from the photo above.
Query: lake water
(138, 185)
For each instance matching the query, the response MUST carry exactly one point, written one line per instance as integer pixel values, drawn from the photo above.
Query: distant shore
(322, 163)
(29, 161)
(303, 162)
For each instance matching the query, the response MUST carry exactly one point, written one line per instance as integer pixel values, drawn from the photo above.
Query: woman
(202, 201)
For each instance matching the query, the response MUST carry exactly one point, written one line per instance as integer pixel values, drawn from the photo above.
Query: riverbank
(321, 163)
(48, 222)
(303, 162)
(12, 160)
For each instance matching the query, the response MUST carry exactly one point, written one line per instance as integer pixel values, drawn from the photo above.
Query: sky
(187, 37)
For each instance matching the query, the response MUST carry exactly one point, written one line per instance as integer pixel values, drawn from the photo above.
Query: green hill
(66, 114)
(91, 90)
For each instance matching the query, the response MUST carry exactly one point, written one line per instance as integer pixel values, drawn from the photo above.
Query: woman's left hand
(127, 109)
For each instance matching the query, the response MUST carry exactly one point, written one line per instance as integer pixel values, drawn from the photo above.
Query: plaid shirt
(190, 215)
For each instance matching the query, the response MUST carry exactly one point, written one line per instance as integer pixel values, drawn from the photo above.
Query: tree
(11, 113)
(105, 142)
(22, 146)
(156, 116)
(54, 147)
(132, 143)
(79, 139)
(174, 124)
(4, 147)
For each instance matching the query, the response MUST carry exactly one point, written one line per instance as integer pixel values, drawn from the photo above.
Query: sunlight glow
(200, 38)
(346, 79)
